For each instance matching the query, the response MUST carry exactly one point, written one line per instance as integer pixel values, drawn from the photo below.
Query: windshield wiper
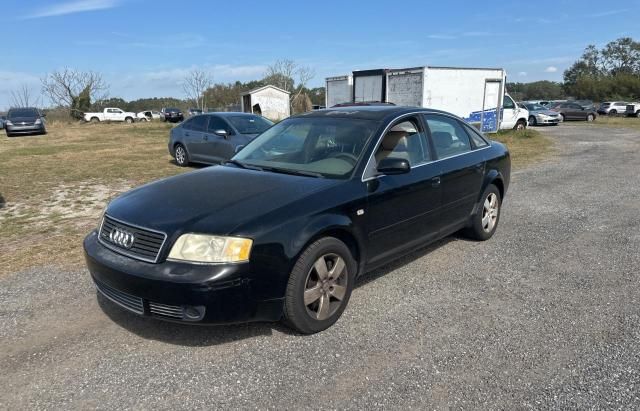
(243, 165)
(294, 172)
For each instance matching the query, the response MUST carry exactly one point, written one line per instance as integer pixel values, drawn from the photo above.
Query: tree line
(609, 73)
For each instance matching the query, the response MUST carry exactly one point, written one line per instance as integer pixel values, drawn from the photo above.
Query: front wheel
(128, 120)
(520, 125)
(613, 113)
(319, 286)
(485, 221)
(533, 121)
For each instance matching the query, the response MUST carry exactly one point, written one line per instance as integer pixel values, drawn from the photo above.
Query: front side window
(508, 103)
(321, 146)
(216, 123)
(449, 137)
(404, 140)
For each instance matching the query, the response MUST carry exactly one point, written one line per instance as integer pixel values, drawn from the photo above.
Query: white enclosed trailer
(338, 90)
(475, 94)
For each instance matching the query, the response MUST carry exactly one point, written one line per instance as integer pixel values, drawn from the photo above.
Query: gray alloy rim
(325, 287)
(180, 155)
(490, 212)
(590, 117)
(532, 121)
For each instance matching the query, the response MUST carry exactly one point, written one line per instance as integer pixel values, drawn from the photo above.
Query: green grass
(526, 146)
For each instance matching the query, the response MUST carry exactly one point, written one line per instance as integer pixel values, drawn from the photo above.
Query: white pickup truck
(110, 114)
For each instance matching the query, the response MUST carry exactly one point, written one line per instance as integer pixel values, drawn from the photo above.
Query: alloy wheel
(181, 155)
(590, 118)
(490, 212)
(325, 287)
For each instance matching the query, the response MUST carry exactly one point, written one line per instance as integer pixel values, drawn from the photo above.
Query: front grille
(146, 245)
(128, 301)
(163, 310)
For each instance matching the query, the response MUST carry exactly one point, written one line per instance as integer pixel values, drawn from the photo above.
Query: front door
(509, 113)
(461, 167)
(402, 209)
(220, 148)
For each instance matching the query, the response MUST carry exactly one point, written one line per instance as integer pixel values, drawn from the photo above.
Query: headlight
(8, 123)
(38, 121)
(200, 248)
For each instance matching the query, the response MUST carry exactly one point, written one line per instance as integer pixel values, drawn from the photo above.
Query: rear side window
(448, 135)
(476, 139)
(199, 123)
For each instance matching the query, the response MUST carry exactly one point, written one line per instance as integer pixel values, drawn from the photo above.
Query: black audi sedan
(283, 229)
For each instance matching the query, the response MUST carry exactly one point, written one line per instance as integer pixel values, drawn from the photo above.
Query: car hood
(212, 200)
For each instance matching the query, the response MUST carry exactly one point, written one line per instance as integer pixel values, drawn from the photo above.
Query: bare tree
(289, 76)
(195, 83)
(22, 97)
(74, 89)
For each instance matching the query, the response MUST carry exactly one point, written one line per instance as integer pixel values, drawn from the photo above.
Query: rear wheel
(638, 113)
(319, 286)
(485, 222)
(591, 118)
(128, 120)
(182, 158)
(95, 120)
(613, 112)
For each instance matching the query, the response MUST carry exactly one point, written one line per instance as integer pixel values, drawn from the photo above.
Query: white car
(110, 114)
(148, 115)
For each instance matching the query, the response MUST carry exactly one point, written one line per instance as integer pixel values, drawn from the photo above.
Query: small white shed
(268, 101)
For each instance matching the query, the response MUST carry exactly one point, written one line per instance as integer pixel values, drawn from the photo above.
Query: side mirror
(240, 147)
(221, 133)
(391, 166)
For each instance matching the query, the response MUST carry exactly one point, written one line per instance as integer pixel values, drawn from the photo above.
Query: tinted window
(448, 134)
(216, 123)
(508, 103)
(199, 123)
(575, 106)
(477, 140)
(22, 112)
(404, 140)
(250, 124)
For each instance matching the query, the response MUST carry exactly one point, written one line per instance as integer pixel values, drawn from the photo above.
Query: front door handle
(435, 182)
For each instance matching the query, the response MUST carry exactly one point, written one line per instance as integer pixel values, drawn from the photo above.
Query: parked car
(540, 115)
(586, 104)
(573, 111)
(194, 112)
(172, 115)
(26, 120)
(612, 108)
(2, 120)
(271, 236)
(212, 138)
(148, 115)
(633, 110)
(111, 114)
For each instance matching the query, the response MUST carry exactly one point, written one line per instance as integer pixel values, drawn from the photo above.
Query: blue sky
(144, 48)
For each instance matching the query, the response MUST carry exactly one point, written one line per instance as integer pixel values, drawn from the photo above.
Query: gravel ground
(546, 314)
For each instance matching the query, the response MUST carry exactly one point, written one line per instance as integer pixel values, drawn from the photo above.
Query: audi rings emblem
(122, 238)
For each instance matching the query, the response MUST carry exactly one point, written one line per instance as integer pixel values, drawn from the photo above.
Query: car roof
(229, 113)
(377, 112)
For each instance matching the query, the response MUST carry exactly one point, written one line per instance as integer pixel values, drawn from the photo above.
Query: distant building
(268, 101)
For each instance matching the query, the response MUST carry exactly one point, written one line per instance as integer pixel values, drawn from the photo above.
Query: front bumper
(548, 120)
(30, 129)
(203, 294)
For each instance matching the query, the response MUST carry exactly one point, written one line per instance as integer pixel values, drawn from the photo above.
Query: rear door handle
(435, 182)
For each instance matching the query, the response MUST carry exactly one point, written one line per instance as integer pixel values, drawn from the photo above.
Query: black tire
(303, 317)
(478, 230)
(181, 159)
(613, 113)
(520, 125)
(638, 113)
(94, 120)
(128, 120)
(533, 121)
(590, 118)
(563, 117)
(9, 134)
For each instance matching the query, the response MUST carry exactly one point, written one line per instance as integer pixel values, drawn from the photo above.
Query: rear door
(461, 165)
(194, 130)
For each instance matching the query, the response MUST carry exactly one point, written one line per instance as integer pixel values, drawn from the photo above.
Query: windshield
(535, 107)
(328, 147)
(250, 124)
(22, 112)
